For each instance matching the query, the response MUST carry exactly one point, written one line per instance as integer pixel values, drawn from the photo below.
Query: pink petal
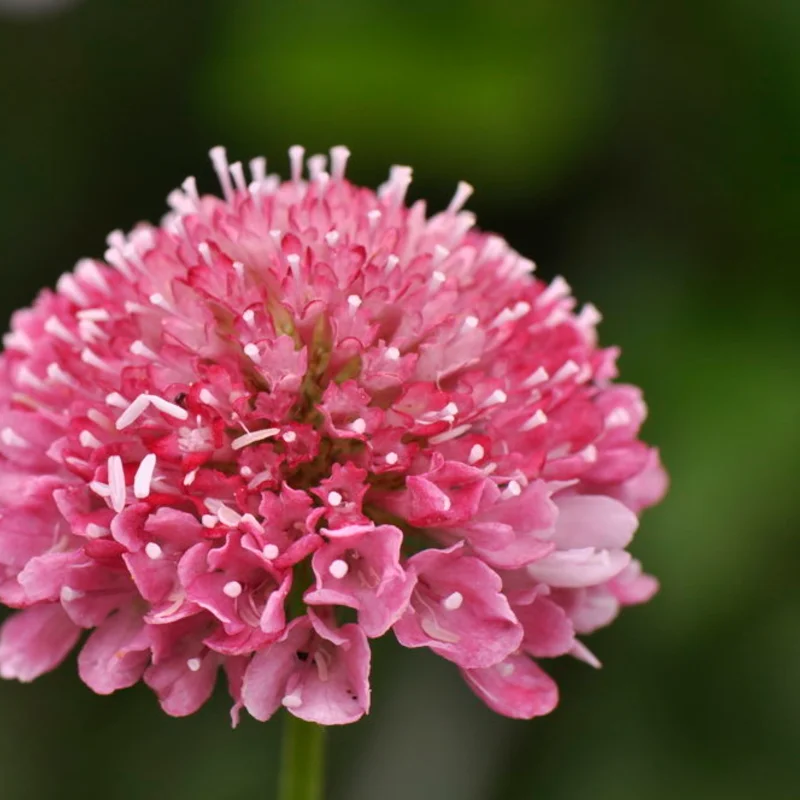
(593, 521)
(548, 630)
(516, 688)
(576, 568)
(35, 641)
(181, 691)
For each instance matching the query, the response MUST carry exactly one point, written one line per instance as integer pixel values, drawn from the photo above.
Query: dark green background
(646, 150)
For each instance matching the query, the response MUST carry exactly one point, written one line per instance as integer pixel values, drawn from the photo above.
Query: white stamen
(511, 314)
(249, 316)
(391, 458)
(373, 216)
(590, 454)
(238, 268)
(93, 315)
(219, 159)
(88, 439)
(209, 520)
(453, 601)
(566, 371)
(144, 476)
(291, 701)
(539, 376)
(497, 397)
(270, 551)
(189, 478)
(254, 436)
(139, 348)
(512, 490)
(88, 356)
(358, 426)
(258, 168)
(11, 438)
(55, 373)
(289, 437)
(463, 193)
(392, 353)
(354, 301)
(131, 412)
(206, 397)
(589, 316)
(194, 664)
(227, 516)
(440, 254)
(557, 289)
(251, 351)
(165, 407)
(68, 594)
(334, 499)
(116, 400)
(296, 153)
(437, 279)
(332, 238)
(94, 531)
(338, 568)
(534, 421)
(54, 326)
(237, 171)
(391, 262)
(470, 323)
(339, 156)
(447, 436)
(618, 417)
(294, 263)
(476, 453)
(100, 489)
(205, 253)
(450, 409)
(153, 551)
(232, 589)
(116, 483)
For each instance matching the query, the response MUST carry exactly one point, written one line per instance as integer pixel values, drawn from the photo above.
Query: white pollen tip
(132, 412)
(391, 458)
(251, 351)
(476, 453)
(153, 551)
(170, 409)
(116, 483)
(209, 520)
(144, 476)
(534, 421)
(289, 437)
(339, 156)
(194, 664)
(270, 551)
(332, 238)
(232, 589)
(291, 701)
(464, 191)
(513, 489)
(338, 568)
(453, 601)
(358, 426)
(334, 499)
(254, 436)
(296, 154)
(392, 353)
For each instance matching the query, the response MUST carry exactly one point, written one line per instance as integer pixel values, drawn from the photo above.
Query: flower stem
(302, 774)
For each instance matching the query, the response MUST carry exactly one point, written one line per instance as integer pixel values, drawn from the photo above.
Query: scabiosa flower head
(293, 419)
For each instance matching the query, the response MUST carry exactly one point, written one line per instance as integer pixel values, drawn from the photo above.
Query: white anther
(88, 356)
(476, 453)
(289, 437)
(557, 289)
(100, 489)
(392, 353)
(68, 594)
(334, 499)
(354, 301)
(470, 323)
(251, 351)
(339, 156)
(447, 436)
(540, 375)
(463, 193)
(132, 412)
(618, 417)
(194, 664)
(391, 458)
(437, 279)
(55, 327)
(453, 601)
(11, 438)
(249, 316)
(116, 400)
(338, 568)
(440, 254)
(332, 238)
(209, 520)
(296, 153)
(506, 670)
(373, 216)
(391, 262)
(227, 516)
(512, 490)
(270, 551)
(144, 476)
(450, 409)
(232, 589)
(291, 701)
(93, 315)
(188, 479)
(358, 426)
(254, 436)
(589, 454)
(116, 483)
(94, 531)
(567, 370)
(219, 159)
(534, 421)
(153, 551)
(497, 397)
(88, 439)
(170, 409)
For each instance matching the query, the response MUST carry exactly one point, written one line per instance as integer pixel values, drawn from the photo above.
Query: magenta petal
(593, 521)
(458, 610)
(181, 690)
(548, 630)
(577, 568)
(516, 688)
(35, 641)
(115, 655)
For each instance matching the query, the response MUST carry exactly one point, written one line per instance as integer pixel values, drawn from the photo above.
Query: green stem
(302, 775)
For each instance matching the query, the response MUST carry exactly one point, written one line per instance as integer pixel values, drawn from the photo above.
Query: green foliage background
(647, 151)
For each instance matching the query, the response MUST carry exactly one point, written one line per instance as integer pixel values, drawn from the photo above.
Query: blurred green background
(647, 151)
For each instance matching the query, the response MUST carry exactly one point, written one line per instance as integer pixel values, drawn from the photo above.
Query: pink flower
(302, 404)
